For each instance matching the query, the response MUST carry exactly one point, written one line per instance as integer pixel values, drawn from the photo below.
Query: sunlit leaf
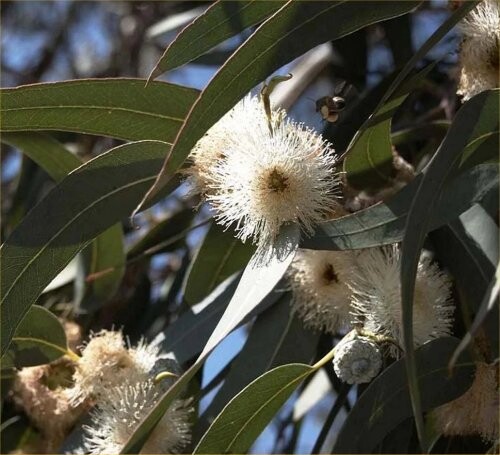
(121, 108)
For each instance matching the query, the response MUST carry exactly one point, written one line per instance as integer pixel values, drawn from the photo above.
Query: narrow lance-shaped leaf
(477, 117)
(291, 31)
(257, 281)
(248, 413)
(368, 163)
(384, 223)
(39, 339)
(88, 201)
(120, 108)
(220, 21)
(276, 338)
(45, 151)
(105, 257)
(213, 264)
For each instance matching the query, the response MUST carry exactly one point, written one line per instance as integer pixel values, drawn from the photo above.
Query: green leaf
(106, 253)
(276, 338)
(386, 402)
(248, 413)
(384, 223)
(219, 22)
(187, 335)
(45, 151)
(120, 108)
(488, 302)
(368, 163)
(477, 117)
(165, 236)
(468, 247)
(102, 268)
(289, 33)
(435, 38)
(258, 280)
(88, 201)
(39, 339)
(213, 264)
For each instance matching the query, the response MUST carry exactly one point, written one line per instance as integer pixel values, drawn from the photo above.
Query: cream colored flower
(41, 392)
(357, 359)
(479, 52)
(377, 297)
(213, 147)
(119, 412)
(260, 179)
(321, 296)
(476, 411)
(106, 362)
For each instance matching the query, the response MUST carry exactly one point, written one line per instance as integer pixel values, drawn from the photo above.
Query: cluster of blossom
(117, 382)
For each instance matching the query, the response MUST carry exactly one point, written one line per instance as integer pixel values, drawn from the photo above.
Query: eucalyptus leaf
(276, 338)
(478, 116)
(220, 255)
(165, 236)
(44, 150)
(248, 413)
(219, 22)
(101, 269)
(368, 163)
(121, 108)
(258, 280)
(88, 201)
(39, 339)
(104, 257)
(384, 223)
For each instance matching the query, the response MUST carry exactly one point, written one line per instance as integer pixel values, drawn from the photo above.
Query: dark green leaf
(248, 413)
(276, 338)
(468, 247)
(186, 336)
(293, 30)
(436, 129)
(105, 257)
(87, 202)
(386, 401)
(368, 163)
(220, 21)
(45, 151)
(258, 280)
(219, 256)
(102, 268)
(165, 236)
(435, 38)
(39, 339)
(477, 117)
(384, 223)
(121, 108)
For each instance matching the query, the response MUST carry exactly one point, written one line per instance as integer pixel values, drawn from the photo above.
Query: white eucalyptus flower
(120, 411)
(321, 296)
(376, 300)
(357, 359)
(106, 361)
(479, 51)
(258, 180)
